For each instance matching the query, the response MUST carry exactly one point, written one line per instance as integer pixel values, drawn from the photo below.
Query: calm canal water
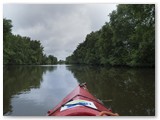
(33, 90)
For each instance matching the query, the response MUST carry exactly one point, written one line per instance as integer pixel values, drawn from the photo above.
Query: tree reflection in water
(20, 79)
(132, 91)
(33, 90)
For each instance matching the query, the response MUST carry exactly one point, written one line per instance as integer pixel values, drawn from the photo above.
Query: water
(33, 90)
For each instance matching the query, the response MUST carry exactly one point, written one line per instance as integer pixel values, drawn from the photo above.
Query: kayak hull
(79, 103)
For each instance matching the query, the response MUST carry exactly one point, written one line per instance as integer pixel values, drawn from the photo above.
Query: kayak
(80, 103)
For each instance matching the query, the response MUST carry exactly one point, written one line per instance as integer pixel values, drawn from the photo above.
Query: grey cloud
(59, 27)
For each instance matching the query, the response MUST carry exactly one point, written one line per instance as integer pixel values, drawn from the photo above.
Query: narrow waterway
(33, 90)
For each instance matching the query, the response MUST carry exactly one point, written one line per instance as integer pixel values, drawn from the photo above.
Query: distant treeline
(128, 39)
(22, 50)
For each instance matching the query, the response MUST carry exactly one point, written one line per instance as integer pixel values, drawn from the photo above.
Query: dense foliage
(22, 50)
(128, 39)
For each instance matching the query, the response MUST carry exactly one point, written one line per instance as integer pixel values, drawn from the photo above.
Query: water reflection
(33, 90)
(18, 79)
(132, 91)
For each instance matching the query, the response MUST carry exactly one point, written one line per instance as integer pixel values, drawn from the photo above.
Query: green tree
(127, 39)
(22, 50)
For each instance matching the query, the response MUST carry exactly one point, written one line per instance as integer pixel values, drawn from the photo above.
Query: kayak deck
(80, 103)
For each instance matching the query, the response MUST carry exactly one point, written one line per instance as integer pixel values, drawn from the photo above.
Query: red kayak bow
(80, 103)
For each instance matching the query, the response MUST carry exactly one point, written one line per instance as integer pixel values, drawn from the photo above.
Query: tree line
(22, 50)
(128, 39)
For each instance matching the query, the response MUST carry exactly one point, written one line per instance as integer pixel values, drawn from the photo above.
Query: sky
(59, 27)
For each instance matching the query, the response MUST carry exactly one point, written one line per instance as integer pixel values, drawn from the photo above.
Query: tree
(127, 39)
(22, 50)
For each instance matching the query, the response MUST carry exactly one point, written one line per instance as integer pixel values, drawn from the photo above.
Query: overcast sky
(59, 27)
